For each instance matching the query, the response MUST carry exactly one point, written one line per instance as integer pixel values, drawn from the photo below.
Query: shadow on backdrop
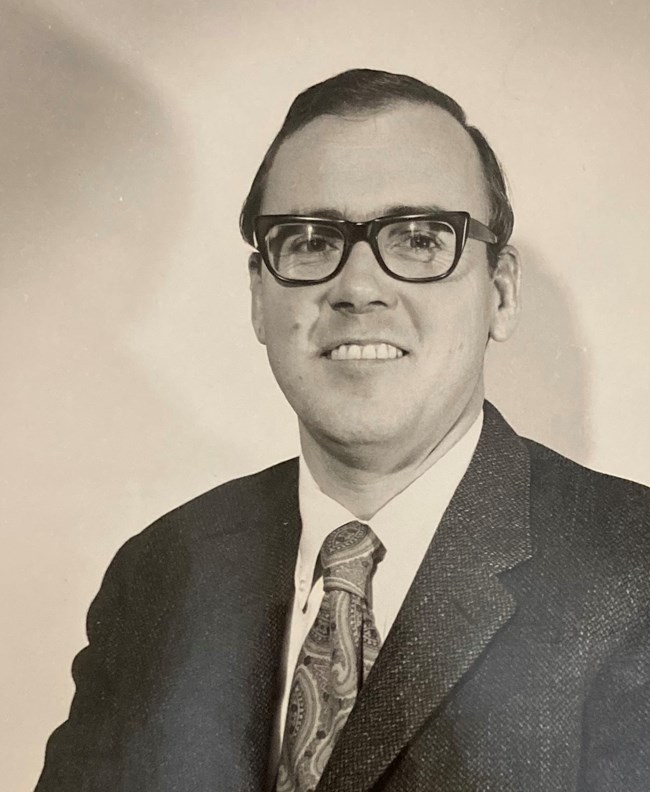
(93, 181)
(540, 377)
(95, 193)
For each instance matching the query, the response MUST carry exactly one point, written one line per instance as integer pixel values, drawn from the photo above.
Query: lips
(365, 351)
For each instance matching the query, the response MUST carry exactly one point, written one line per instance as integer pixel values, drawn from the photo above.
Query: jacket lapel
(453, 609)
(277, 549)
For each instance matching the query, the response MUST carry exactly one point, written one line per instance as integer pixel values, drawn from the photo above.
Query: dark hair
(364, 90)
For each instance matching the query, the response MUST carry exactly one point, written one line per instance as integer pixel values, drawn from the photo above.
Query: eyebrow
(387, 211)
(404, 209)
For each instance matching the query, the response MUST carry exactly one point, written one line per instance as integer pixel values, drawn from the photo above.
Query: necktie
(335, 659)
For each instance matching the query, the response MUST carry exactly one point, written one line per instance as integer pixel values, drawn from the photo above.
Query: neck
(365, 479)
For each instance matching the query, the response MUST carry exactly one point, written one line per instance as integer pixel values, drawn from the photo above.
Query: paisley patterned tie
(335, 658)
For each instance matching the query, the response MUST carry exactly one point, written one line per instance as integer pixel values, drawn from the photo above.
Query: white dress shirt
(405, 526)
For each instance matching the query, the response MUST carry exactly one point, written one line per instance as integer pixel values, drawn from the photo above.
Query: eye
(408, 240)
(310, 243)
(421, 241)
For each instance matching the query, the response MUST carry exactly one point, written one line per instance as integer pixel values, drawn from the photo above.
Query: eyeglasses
(416, 248)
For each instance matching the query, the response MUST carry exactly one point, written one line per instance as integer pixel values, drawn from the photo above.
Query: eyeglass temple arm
(476, 230)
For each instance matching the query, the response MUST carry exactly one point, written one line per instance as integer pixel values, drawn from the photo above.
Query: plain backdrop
(131, 380)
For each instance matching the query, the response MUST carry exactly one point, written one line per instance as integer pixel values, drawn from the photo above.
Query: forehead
(408, 155)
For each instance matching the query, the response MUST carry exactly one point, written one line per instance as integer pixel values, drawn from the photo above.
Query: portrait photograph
(325, 449)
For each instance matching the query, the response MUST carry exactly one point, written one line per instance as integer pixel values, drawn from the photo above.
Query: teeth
(365, 352)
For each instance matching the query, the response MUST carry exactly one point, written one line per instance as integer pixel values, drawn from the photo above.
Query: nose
(361, 286)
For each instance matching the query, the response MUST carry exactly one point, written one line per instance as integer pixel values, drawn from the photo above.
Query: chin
(357, 433)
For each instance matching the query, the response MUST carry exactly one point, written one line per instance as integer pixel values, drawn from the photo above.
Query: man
(425, 601)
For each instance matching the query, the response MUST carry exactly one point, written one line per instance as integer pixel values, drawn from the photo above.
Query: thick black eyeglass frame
(465, 227)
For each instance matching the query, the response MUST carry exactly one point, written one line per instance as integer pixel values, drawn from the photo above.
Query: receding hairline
(387, 106)
(381, 107)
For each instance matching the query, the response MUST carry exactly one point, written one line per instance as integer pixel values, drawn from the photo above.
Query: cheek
(457, 328)
(288, 322)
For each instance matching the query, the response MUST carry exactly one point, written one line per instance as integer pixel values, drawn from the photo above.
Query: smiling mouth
(365, 352)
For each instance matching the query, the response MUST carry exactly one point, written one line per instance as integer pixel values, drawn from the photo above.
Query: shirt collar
(421, 504)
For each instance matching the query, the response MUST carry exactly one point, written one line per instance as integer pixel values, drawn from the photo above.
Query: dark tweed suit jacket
(520, 660)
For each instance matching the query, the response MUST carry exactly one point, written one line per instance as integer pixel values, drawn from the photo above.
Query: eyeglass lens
(409, 248)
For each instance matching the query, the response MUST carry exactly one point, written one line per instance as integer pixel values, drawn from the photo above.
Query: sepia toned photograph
(325, 447)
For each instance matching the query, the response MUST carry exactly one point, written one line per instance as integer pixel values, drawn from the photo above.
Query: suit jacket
(519, 661)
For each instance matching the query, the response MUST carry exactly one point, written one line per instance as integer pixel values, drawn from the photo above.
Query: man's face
(361, 167)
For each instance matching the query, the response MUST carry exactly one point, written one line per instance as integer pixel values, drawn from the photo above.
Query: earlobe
(506, 280)
(257, 306)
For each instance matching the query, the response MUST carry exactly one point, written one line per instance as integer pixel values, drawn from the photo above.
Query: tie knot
(348, 558)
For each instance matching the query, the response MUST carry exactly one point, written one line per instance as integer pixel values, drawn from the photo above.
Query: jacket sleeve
(82, 754)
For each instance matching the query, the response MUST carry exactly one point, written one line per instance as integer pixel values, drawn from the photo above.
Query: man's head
(360, 146)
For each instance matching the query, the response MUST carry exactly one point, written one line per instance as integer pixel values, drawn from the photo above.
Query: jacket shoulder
(553, 473)
(598, 523)
(219, 511)
(246, 495)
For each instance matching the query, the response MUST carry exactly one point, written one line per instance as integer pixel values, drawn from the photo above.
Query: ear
(506, 280)
(257, 305)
